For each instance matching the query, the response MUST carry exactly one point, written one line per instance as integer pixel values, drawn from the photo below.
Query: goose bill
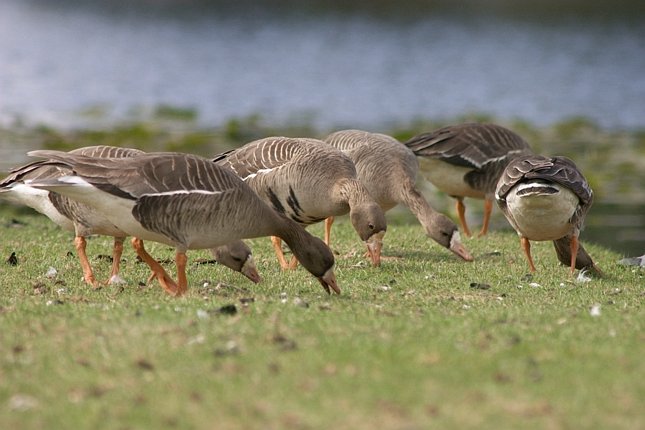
(250, 270)
(458, 248)
(374, 246)
(328, 281)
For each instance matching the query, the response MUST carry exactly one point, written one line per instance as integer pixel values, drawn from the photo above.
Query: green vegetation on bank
(613, 161)
(425, 341)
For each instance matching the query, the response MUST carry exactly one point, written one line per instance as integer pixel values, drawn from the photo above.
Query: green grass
(410, 345)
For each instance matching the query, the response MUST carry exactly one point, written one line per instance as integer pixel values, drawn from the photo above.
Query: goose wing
(33, 170)
(261, 155)
(149, 173)
(104, 151)
(468, 145)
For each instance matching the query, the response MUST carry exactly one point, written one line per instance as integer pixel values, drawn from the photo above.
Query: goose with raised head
(184, 201)
(466, 160)
(388, 169)
(547, 198)
(308, 181)
(68, 214)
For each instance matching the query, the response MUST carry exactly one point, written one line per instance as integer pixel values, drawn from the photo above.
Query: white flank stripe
(68, 180)
(500, 158)
(259, 172)
(179, 192)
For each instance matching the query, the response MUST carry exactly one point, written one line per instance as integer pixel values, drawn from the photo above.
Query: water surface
(366, 66)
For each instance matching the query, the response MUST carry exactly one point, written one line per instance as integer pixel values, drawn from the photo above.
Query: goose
(68, 214)
(84, 221)
(547, 198)
(466, 160)
(184, 201)
(308, 181)
(388, 169)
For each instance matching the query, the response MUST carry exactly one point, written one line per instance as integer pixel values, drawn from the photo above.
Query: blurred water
(362, 66)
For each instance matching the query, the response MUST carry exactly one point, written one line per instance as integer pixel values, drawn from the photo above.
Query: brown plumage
(308, 181)
(69, 214)
(466, 160)
(388, 170)
(84, 220)
(183, 201)
(547, 198)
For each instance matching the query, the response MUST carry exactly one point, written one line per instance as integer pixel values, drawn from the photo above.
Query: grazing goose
(547, 198)
(183, 201)
(68, 214)
(466, 160)
(84, 220)
(308, 181)
(388, 170)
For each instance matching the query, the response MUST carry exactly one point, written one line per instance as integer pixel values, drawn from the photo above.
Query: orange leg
(277, 246)
(461, 211)
(488, 208)
(88, 275)
(117, 251)
(293, 263)
(180, 260)
(166, 281)
(151, 277)
(328, 222)
(574, 253)
(526, 246)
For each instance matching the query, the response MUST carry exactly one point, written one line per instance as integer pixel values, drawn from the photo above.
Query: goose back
(302, 178)
(558, 170)
(479, 152)
(386, 167)
(468, 145)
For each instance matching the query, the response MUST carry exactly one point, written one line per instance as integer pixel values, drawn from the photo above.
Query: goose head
(369, 222)
(315, 256)
(237, 256)
(443, 231)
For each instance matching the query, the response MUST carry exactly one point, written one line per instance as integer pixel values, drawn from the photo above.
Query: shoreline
(613, 161)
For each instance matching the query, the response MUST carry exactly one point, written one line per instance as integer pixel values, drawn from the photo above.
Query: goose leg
(293, 263)
(526, 246)
(328, 222)
(574, 252)
(166, 282)
(88, 275)
(488, 208)
(277, 246)
(180, 260)
(117, 251)
(461, 211)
